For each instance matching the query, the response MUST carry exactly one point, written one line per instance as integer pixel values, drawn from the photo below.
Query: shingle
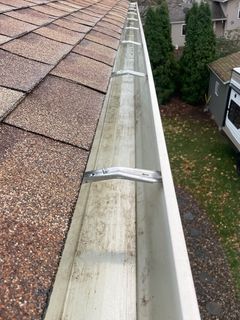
(91, 13)
(4, 7)
(39, 48)
(103, 39)
(84, 3)
(62, 6)
(57, 33)
(107, 31)
(40, 1)
(74, 19)
(71, 25)
(8, 99)
(85, 17)
(120, 13)
(113, 22)
(17, 3)
(61, 110)
(115, 17)
(71, 4)
(4, 39)
(98, 11)
(13, 27)
(83, 70)
(49, 10)
(39, 180)
(20, 73)
(96, 51)
(110, 26)
(29, 15)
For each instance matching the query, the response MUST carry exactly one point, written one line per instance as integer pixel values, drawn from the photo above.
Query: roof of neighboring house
(223, 66)
(56, 59)
(179, 8)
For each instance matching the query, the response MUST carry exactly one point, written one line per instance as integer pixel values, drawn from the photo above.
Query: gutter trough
(125, 256)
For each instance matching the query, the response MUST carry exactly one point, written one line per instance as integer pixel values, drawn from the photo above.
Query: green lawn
(204, 163)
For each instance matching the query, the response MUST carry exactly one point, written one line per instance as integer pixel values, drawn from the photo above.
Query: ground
(207, 187)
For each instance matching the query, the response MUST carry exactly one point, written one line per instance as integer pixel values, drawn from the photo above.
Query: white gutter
(173, 288)
(125, 256)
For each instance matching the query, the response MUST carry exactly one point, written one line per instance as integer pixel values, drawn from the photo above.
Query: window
(238, 13)
(216, 88)
(234, 114)
(183, 29)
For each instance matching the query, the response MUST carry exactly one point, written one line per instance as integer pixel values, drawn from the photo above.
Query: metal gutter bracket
(132, 28)
(128, 72)
(132, 174)
(131, 42)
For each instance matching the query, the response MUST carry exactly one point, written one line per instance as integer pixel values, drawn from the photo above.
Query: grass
(204, 163)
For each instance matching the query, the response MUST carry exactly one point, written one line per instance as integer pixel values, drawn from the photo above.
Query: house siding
(230, 9)
(176, 32)
(218, 103)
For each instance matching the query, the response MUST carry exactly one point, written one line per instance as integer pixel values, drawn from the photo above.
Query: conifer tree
(153, 37)
(199, 50)
(158, 37)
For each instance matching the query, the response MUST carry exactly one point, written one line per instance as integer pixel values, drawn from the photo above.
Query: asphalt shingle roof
(179, 8)
(223, 66)
(56, 60)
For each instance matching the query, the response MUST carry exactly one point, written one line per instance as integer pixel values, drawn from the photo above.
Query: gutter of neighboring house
(183, 21)
(125, 256)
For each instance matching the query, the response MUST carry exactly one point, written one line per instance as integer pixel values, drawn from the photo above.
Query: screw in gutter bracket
(132, 174)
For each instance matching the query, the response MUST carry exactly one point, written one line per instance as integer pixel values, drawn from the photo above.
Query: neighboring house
(220, 75)
(225, 17)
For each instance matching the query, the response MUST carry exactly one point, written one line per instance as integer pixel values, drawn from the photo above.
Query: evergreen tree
(199, 50)
(158, 37)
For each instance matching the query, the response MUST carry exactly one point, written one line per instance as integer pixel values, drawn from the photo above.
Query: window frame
(234, 114)
(183, 30)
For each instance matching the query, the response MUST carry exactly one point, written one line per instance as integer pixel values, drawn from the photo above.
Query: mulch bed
(213, 282)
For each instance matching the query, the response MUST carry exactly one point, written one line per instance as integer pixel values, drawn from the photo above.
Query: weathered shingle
(96, 51)
(20, 73)
(85, 71)
(39, 48)
(58, 33)
(17, 3)
(31, 16)
(103, 39)
(61, 110)
(49, 10)
(4, 39)
(54, 73)
(71, 25)
(8, 99)
(39, 181)
(12, 27)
